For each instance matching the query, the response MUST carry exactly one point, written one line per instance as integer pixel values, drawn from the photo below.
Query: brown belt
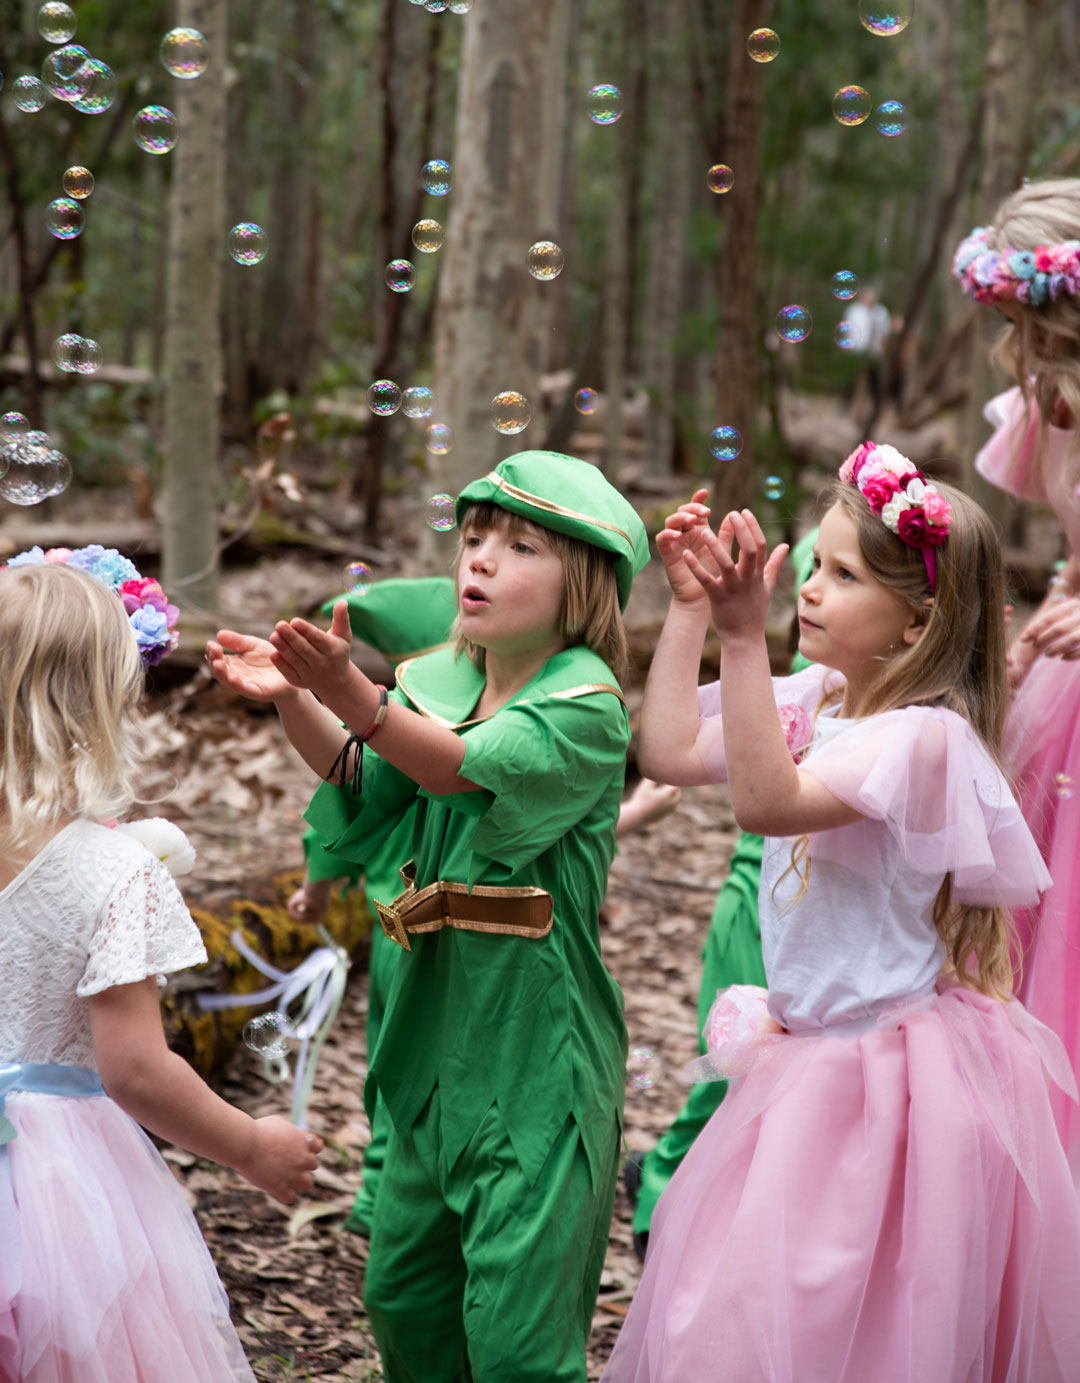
(483, 908)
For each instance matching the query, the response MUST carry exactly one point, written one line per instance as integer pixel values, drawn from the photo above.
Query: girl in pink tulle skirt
(882, 1196)
(104, 1276)
(1027, 263)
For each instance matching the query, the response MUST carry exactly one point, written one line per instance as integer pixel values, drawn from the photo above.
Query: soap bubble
(90, 357)
(436, 6)
(851, 105)
(642, 1068)
(605, 104)
(439, 439)
(440, 513)
(155, 129)
(774, 487)
(13, 425)
(763, 45)
(585, 401)
(1063, 785)
(64, 218)
(185, 53)
(437, 177)
(725, 443)
(64, 475)
(100, 90)
(428, 236)
(545, 260)
(845, 284)
(33, 468)
(418, 402)
(845, 335)
(29, 94)
(384, 398)
(358, 578)
(460, 6)
(886, 17)
(67, 352)
(247, 243)
(720, 178)
(56, 22)
(794, 323)
(400, 276)
(891, 118)
(67, 72)
(270, 1034)
(510, 413)
(78, 182)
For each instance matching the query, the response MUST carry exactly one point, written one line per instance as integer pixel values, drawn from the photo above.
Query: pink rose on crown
(878, 488)
(936, 507)
(850, 469)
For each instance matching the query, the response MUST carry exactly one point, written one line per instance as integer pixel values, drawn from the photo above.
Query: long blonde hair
(958, 662)
(70, 679)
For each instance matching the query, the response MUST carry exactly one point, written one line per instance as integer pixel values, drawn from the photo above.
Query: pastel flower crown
(909, 505)
(151, 616)
(1034, 277)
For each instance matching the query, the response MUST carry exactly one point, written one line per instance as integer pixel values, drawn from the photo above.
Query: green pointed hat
(571, 497)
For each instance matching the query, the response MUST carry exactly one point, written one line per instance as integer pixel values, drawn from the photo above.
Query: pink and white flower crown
(1034, 277)
(910, 506)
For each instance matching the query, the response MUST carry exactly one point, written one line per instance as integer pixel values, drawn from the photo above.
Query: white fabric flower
(892, 460)
(165, 840)
(890, 514)
(915, 489)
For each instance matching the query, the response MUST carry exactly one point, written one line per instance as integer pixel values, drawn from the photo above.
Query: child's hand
(682, 533)
(281, 1159)
(740, 592)
(245, 665)
(310, 901)
(1055, 630)
(313, 658)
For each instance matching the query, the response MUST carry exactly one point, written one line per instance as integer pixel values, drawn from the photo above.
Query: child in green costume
(502, 1052)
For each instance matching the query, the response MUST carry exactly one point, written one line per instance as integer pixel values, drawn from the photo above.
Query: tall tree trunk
(193, 339)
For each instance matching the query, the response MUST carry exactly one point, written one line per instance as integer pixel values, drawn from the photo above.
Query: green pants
(381, 964)
(474, 1274)
(732, 955)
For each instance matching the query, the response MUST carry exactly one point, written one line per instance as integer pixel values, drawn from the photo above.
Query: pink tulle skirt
(1043, 744)
(893, 1206)
(112, 1282)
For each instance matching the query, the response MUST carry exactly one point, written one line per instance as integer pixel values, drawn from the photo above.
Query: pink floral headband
(1033, 276)
(909, 505)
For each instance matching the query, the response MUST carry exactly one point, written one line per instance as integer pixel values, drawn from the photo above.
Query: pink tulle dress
(883, 1195)
(104, 1276)
(1043, 745)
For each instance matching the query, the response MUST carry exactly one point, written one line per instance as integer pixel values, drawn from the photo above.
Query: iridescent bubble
(269, 1034)
(460, 6)
(763, 45)
(1063, 785)
(886, 19)
(510, 413)
(437, 177)
(439, 439)
(78, 182)
(585, 401)
(33, 468)
(845, 335)
(64, 218)
(545, 260)
(720, 178)
(90, 357)
(891, 118)
(440, 513)
(185, 53)
(64, 475)
(67, 72)
(155, 129)
(845, 284)
(29, 94)
(605, 104)
(66, 350)
(358, 578)
(14, 425)
(793, 323)
(400, 276)
(418, 402)
(642, 1068)
(247, 243)
(384, 398)
(774, 487)
(428, 236)
(100, 90)
(851, 105)
(725, 443)
(436, 6)
(56, 22)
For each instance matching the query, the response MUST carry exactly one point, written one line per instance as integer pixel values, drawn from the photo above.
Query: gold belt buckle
(389, 914)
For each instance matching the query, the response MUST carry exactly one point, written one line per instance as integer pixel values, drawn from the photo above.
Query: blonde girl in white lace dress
(104, 1276)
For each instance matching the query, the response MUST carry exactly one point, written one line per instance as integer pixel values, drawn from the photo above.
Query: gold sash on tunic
(524, 912)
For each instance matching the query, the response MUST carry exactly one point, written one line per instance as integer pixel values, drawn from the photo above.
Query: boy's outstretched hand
(246, 665)
(315, 659)
(738, 590)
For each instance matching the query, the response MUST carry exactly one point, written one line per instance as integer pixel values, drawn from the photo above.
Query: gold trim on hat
(550, 508)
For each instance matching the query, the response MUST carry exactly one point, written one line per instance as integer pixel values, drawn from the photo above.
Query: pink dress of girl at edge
(1043, 747)
(882, 1195)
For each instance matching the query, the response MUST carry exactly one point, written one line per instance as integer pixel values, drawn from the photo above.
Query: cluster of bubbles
(763, 45)
(545, 260)
(1063, 785)
(428, 236)
(247, 243)
(845, 284)
(605, 104)
(269, 1034)
(76, 354)
(884, 19)
(56, 22)
(385, 398)
(851, 105)
(32, 468)
(510, 412)
(440, 513)
(155, 129)
(400, 275)
(585, 401)
(86, 83)
(78, 182)
(437, 177)
(439, 439)
(794, 323)
(184, 53)
(720, 178)
(891, 118)
(642, 1068)
(64, 218)
(726, 443)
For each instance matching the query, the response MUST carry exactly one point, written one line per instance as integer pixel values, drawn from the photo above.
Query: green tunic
(532, 1025)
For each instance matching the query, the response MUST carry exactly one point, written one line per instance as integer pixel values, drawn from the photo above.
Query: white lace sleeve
(144, 928)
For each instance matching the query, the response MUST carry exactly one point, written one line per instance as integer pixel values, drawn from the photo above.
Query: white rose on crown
(890, 514)
(163, 839)
(892, 460)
